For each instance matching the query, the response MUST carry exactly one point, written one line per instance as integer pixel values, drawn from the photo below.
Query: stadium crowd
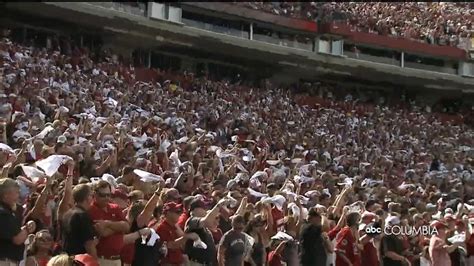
(99, 168)
(435, 23)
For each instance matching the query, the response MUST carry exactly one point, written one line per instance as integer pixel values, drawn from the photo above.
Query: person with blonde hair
(61, 260)
(13, 233)
(77, 260)
(39, 252)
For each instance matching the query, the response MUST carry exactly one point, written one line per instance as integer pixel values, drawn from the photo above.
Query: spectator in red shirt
(185, 215)
(110, 224)
(346, 242)
(369, 252)
(274, 257)
(470, 247)
(170, 232)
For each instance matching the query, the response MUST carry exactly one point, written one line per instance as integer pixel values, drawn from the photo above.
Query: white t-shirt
(331, 257)
(424, 262)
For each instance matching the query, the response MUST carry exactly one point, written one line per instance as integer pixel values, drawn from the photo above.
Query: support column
(402, 59)
(149, 59)
(251, 31)
(342, 47)
(316, 44)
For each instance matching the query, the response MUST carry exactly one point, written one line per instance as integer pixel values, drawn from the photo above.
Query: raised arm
(66, 200)
(242, 206)
(41, 200)
(147, 212)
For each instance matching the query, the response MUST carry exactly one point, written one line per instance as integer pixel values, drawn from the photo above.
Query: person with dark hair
(391, 245)
(78, 233)
(347, 250)
(233, 245)
(259, 230)
(171, 233)
(139, 216)
(315, 244)
(109, 223)
(199, 223)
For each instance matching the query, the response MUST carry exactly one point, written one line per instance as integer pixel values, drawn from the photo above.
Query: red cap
(449, 217)
(172, 207)
(86, 260)
(368, 215)
(438, 225)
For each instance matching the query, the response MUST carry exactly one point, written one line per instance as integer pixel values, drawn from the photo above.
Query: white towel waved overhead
(147, 176)
(33, 173)
(256, 193)
(51, 164)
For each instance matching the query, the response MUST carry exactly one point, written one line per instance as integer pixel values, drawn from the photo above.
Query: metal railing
(133, 8)
(216, 28)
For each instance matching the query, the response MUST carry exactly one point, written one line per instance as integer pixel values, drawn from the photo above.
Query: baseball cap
(86, 260)
(438, 225)
(197, 203)
(272, 186)
(172, 193)
(62, 139)
(172, 207)
(369, 215)
(392, 220)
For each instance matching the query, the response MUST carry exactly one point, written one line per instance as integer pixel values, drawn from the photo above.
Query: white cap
(392, 220)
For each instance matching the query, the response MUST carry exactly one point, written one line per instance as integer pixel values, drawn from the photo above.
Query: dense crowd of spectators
(435, 23)
(99, 168)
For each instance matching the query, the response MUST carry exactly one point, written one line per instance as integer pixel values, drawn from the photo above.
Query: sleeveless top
(144, 254)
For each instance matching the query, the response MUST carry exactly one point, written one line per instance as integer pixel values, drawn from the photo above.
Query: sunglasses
(104, 195)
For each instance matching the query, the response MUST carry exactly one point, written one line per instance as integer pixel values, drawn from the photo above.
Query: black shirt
(144, 254)
(77, 229)
(206, 256)
(312, 246)
(394, 244)
(10, 226)
(224, 224)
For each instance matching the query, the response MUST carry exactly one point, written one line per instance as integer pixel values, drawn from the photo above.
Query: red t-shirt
(182, 219)
(346, 243)
(333, 233)
(369, 255)
(278, 217)
(274, 259)
(113, 244)
(217, 235)
(470, 245)
(167, 232)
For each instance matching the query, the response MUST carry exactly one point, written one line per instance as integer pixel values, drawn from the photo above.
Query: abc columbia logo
(402, 230)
